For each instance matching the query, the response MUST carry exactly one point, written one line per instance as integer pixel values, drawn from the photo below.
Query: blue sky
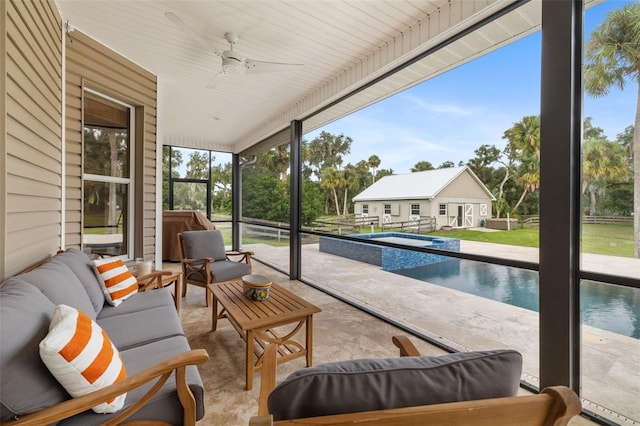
(448, 117)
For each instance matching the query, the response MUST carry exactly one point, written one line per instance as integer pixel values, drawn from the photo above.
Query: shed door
(468, 215)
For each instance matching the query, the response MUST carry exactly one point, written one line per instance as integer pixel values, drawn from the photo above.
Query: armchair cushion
(81, 356)
(201, 244)
(376, 384)
(224, 271)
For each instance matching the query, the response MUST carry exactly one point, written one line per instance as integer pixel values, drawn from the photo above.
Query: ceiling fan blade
(195, 36)
(215, 80)
(258, 67)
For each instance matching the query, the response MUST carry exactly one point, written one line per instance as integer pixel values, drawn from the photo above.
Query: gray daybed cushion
(85, 270)
(25, 315)
(58, 282)
(376, 384)
(164, 406)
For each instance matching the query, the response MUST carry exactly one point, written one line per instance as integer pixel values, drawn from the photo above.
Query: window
(387, 209)
(107, 175)
(365, 209)
(442, 210)
(415, 209)
(483, 209)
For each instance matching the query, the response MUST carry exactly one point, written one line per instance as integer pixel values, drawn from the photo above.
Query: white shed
(454, 197)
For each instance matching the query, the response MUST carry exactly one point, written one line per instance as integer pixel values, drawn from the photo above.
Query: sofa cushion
(201, 244)
(165, 405)
(84, 269)
(58, 282)
(140, 302)
(81, 356)
(376, 384)
(117, 282)
(25, 315)
(138, 328)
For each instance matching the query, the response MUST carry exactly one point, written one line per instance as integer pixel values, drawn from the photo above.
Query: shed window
(387, 209)
(365, 209)
(442, 210)
(415, 209)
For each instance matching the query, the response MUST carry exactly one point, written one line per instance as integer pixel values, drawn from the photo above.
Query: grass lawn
(610, 239)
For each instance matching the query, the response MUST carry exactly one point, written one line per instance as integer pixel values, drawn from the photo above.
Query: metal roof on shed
(417, 185)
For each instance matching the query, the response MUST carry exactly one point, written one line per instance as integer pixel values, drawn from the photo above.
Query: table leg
(309, 340)
(249, 359)
(214, 311)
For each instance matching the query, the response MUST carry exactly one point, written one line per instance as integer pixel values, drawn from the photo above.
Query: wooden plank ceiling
(341, 43)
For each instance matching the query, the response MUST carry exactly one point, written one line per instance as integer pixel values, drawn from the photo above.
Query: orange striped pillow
(81, 356)
(117, 282)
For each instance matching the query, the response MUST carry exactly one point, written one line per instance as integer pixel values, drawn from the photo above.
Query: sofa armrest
(160, 371)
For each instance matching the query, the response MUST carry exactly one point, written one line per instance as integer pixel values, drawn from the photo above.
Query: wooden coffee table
(256, 322)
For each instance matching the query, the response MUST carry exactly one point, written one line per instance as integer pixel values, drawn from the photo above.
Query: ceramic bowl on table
(256, 287)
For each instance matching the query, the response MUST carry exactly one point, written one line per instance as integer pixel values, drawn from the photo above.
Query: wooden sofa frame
(160, 372)
(555, 406)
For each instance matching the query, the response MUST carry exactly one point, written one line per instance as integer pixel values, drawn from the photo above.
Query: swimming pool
(604, 306)
(389, 258)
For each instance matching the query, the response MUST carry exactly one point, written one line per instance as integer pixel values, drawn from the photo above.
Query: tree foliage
(613, 56)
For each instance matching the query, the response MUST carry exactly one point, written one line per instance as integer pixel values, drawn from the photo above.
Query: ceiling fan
(233, 62)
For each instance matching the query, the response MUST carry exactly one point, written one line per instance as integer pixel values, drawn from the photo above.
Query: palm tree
(602, 161)
(524, 140)
(374, 162)
(613, 53)
(332, 179)
(349, 179)
(422, 166)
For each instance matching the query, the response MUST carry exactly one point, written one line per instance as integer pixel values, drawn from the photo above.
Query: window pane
(455, 155)
(610, 348)
(265, 204)
(106, 138)
(190, 196)
(463, 304)
(105, 217)
(610, 238)
(265, 187)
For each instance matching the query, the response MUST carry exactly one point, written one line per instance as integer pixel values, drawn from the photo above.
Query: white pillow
(81, 356)
(117, 282)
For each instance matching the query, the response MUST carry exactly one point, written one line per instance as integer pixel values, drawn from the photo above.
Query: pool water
(605, 306)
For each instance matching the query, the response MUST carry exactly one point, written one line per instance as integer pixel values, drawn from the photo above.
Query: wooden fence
(423, 225)
(534, 221)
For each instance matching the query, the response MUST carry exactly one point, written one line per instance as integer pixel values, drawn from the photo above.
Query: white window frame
(386, 210)
(442, 209)
(483, 210)
(130, 181)
(365, 209)
(415, 209)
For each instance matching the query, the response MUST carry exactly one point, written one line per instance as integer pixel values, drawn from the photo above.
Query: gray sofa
(145, 328)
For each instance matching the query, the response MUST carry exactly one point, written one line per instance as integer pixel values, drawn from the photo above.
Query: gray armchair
(205, 260)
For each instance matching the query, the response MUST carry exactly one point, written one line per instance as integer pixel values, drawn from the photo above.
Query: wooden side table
(256, 322)
(160, 279)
